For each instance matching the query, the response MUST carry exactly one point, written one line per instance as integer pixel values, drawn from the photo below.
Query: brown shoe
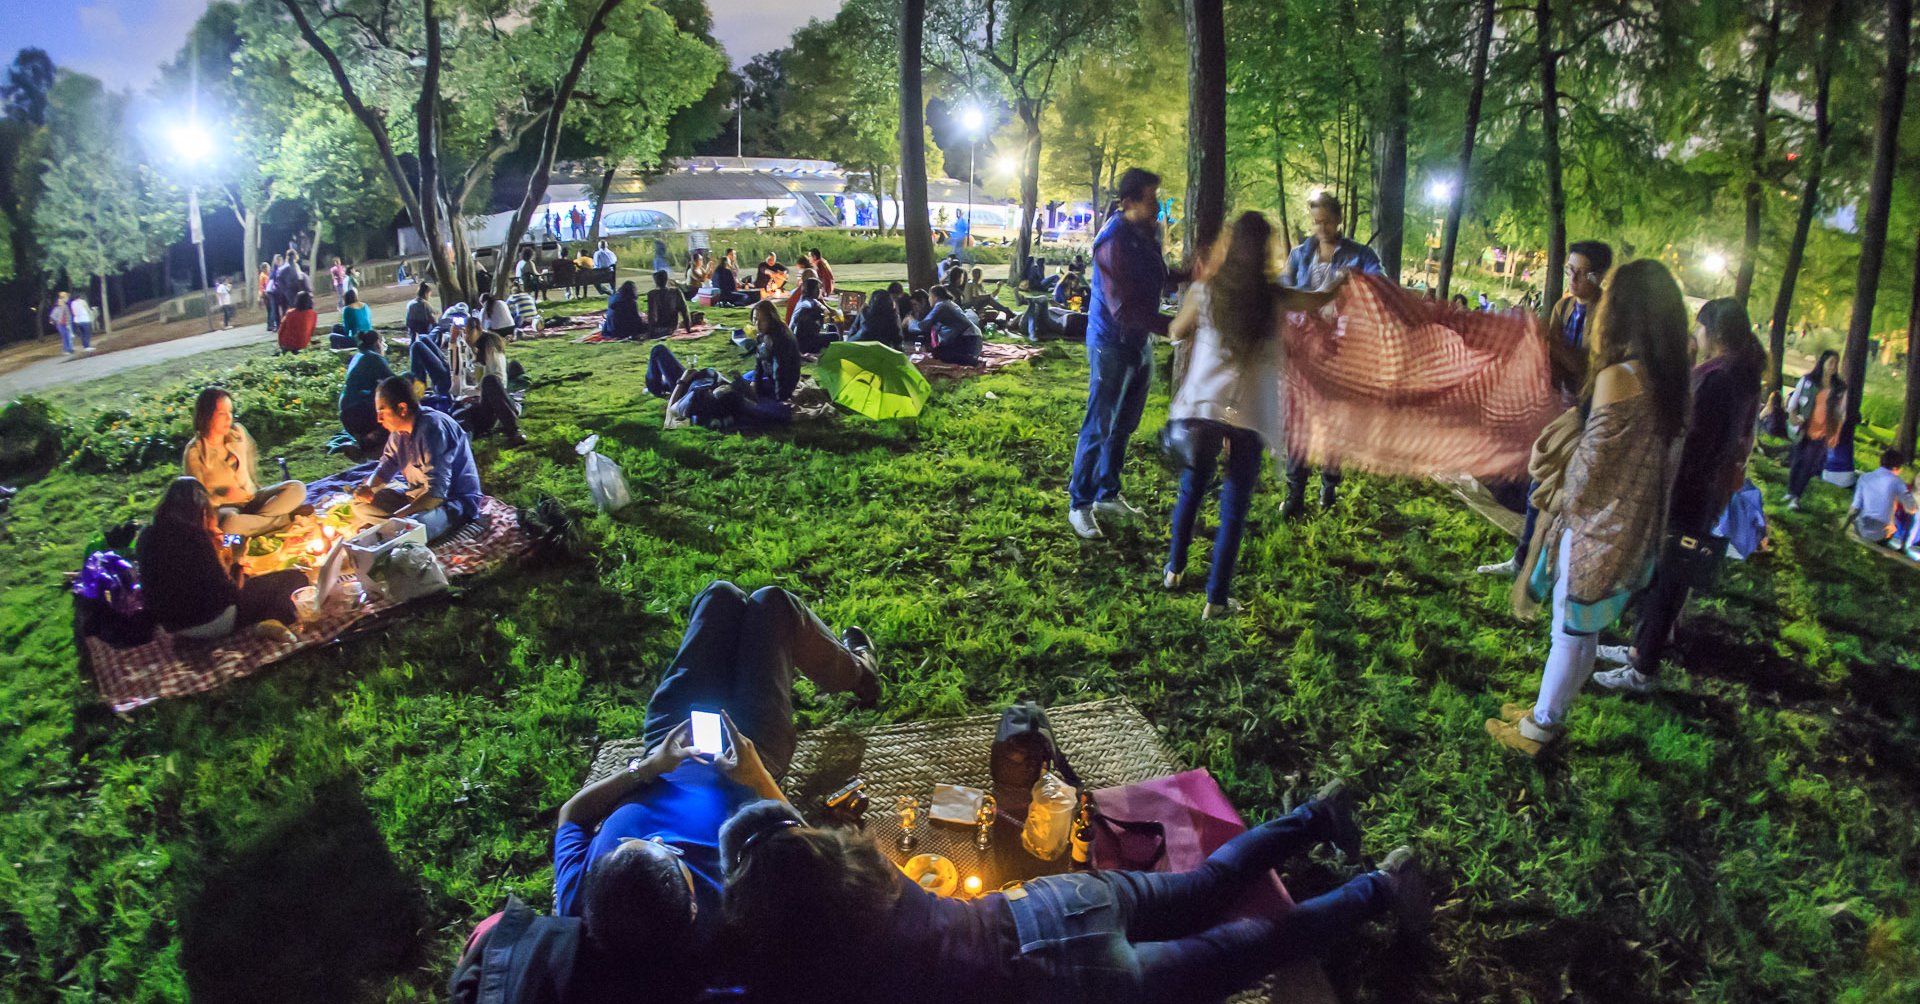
(1511, 713)
(1526, 736)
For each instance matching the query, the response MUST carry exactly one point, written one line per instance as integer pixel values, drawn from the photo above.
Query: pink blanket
(1399, 383)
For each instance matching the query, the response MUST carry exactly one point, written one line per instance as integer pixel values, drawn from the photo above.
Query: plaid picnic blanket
(142, 674)
(993, 356)
(1398, 383)
(697, 331)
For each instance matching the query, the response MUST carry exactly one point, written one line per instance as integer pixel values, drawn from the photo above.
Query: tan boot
(1526, 736)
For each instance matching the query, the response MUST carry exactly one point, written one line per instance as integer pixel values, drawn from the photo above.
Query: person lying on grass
(190, 582)
(494, 407)
(431, 450)
(636, 856)
(810, 904)
(222, 457)
(708, 398)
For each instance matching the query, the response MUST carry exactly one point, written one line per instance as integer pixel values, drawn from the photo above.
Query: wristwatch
(633, 765)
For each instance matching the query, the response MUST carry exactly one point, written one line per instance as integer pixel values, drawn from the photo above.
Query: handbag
(1695, 559)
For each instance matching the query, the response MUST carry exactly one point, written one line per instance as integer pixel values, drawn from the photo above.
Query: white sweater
(1242, 391)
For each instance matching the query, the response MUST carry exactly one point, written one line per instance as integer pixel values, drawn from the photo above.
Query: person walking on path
(82, 322)
(62, 318)
(264, 285)
(338, 273)
(1315, 265)
(1819, 406)
(1606, 521)
(1129, 276)
(223, 292)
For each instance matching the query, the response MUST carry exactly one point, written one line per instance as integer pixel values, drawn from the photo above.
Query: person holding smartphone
(636, 855)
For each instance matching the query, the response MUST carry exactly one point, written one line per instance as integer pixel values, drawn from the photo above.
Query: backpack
(1023, 749)
(107, 603)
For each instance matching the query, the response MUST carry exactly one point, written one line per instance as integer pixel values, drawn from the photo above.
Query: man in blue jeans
(432, 451)
(1129, 276)
(636, 855)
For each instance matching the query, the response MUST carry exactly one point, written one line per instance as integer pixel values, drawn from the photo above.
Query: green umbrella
(871, 379)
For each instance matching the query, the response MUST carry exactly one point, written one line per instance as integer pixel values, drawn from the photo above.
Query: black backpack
(1023, 749)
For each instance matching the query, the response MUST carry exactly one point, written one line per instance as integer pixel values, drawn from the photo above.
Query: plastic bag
(604, 479)
(412, 571)
(1049, 818)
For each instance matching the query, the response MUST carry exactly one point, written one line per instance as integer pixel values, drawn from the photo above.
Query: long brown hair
(1240, 298)
(1643, 316)
(203, 407)
(185, 502)
(803, 902)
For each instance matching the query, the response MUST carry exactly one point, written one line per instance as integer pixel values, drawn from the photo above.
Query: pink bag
(1171, 824)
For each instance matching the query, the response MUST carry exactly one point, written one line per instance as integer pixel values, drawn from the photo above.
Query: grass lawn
(329, 829)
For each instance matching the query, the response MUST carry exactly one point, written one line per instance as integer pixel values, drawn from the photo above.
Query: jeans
(438, 521)
(226, 314)
(429, 366)
(1116, 394)
(1236, 497)
(740, 654)
(1526, 531)
(66, 337)
(270, 509)
(1298, 471)
(1157, 936)
(1809, 455)
(964, 350)
(85, 330)
(495, 407)
(664, 370)
(1570, 657)
(273, 312)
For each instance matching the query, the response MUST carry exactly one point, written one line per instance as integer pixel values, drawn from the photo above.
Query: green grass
(1750, 834)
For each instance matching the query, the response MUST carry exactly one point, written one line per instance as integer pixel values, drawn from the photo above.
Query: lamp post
(972, 119)
(1714, 264)
(191, 144)
(1439, 193)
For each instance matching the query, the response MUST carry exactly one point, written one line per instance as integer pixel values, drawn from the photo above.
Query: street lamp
(1439, 193)
(194, 147)
(972, 119)
(1714, 262)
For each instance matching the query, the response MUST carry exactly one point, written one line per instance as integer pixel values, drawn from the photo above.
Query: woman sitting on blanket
(222, 458)
(809, 319)
(880, 322)
(778, 368)
(623, 315)
(492, 373)
(193, 588)
(665, 306)
(955, 338)
(358, 415)
(976, 298)
(726, 287)
(808, 902)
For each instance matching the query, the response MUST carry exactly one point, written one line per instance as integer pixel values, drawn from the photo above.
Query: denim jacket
(1350, 256)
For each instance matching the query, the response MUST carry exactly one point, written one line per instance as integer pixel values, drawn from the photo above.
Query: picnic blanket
(697, 331)
(142, 674)
(1398, 383)
(1468, 489)
(993, 356)
(1110, 743)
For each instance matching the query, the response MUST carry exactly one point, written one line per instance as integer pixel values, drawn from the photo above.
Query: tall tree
(1469, 132)
(1873, 222)
(1390, 142)
(1910, 413)
(913, 147)
(23, 138)
(1550, 54)
(1769, 46)
(1832, 27)
(1206, 124)
(1022, 43)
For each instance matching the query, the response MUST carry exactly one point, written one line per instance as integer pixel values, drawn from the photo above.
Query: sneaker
(1119, 508)
(1793, 502)
(515, 441)
(867, 691)
(1084, 523)
(1219, 611)
(1506, 569)
(1293, 508)
(1407, 885)
(1524, 736)
(1336, 800)
(1619, 655)
(1627, 679)
(1511, 713)
(1173, 579)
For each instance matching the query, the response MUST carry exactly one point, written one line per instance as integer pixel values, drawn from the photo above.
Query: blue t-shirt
(684, 809)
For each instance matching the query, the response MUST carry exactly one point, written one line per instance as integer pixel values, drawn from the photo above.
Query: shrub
(842, 247)
(30, 434)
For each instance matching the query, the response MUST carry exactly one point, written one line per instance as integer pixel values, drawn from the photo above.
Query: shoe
(1084, 524)
(1407, 885)
(1506, 569)
(1627, 679)
(1335, 799)
(1511, 713)
(89, 348)
(867, 692)
(1619, 655)
(1793, 502)
(1293, 508)
(515, 441)
(1119, 508)
(1220, 611)
(1525, 736)
(1173, 580)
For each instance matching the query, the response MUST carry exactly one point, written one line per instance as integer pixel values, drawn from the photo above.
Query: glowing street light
(1008, 164)
(973, 120)
(1714, 262)
(1439, 190)
(191, 142)
(194, 147)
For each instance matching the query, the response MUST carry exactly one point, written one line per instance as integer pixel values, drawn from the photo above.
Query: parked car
(630, 221)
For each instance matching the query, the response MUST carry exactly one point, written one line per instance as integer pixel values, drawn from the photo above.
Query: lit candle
(973, 885)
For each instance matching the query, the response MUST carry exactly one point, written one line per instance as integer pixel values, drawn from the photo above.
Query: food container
(368, 549)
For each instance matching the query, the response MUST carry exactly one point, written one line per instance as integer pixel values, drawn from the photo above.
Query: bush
(30, 435)
(842, 247)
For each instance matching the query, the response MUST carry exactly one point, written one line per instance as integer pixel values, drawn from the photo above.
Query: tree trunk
(1809, 200)
(1280, 182)
(249, 255)
(1910, 415)
(600, 203)
(1206, 124)
(913, 148)
(1390, 190)
(549, 143)
(1457, 205)
(313, 252)
(1757, 159)
(1873, 227)
(1550, 139)
(1029, 113)
(106, 306)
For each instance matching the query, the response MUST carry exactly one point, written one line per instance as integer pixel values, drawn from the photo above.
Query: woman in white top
(1230, 394)
(82, 322)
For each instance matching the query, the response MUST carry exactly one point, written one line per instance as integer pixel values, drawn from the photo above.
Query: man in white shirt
(604, 258)
(224, 293)
(1883, 505)
(82, 322)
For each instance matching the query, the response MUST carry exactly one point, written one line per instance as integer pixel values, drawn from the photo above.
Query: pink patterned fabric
(1197, 819)
(1398, 383)
(142, 674)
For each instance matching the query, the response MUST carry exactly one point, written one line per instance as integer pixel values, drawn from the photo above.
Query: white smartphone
(708, 734)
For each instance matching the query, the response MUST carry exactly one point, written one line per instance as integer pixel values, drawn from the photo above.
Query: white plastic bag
(412, 571)
(1049, 818)
(604, 479)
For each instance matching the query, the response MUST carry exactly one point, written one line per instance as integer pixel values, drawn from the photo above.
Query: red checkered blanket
(993, 356)
(697, 331)
(1398, 383)
(142, 674)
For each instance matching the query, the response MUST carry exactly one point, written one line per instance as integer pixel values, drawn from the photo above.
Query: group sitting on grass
(689, 873)
(1883, 505)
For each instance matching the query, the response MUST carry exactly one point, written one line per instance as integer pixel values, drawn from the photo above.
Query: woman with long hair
(880, 321)
(1819, 405)
(186, 585)
(223, 458)
(1229, 396)
(807, 906)
(295, 331)
(1713, 466)
(1603, 531)
(778, 369)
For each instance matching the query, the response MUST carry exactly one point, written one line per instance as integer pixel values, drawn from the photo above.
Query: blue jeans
(1236, 497)
(429, 366)
(664, 370)
(740, 654)
(66, 337)
(1156, 936)
(1116, 394)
